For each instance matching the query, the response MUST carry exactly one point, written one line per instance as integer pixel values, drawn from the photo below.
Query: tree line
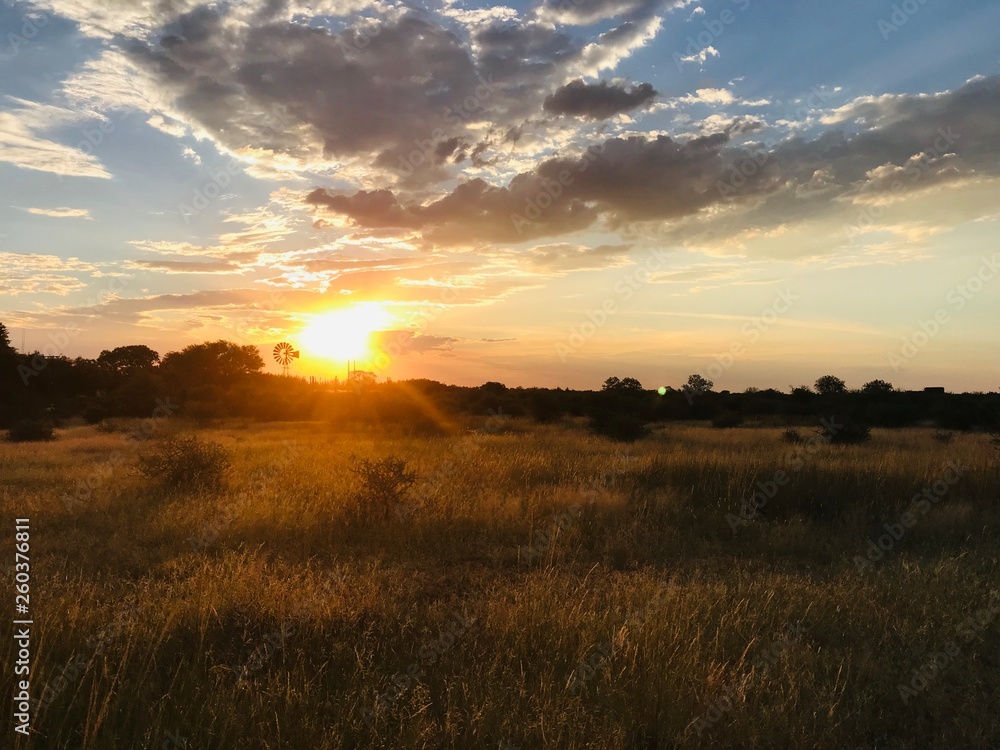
(221, 379)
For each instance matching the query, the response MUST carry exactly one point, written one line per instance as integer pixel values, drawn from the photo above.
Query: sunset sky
(541, 193)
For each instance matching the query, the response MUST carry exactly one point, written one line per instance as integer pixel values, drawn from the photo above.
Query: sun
(343, 334)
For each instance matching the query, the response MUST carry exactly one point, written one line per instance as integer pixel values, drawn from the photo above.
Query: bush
(791, 435)
(622, 428)
(383, 485)
(111, 425)
(31, 431)
(727, 419)
(178, 462)
(852, 433)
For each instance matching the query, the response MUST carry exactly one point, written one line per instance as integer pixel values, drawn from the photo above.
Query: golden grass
(606, 601)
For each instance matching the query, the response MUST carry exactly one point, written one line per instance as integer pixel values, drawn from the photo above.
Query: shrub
(178, 462)
(791, 435)
(112, 425)
(31, 431)
(383, 485)
(943, 436)
(852, 433)
(622, 428)
(727, 419)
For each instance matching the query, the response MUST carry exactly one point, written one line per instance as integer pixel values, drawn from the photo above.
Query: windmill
(284, 354)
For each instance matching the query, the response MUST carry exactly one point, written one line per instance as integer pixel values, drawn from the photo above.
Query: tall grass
(545, 587)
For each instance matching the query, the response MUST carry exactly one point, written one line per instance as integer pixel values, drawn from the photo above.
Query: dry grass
(543, 588)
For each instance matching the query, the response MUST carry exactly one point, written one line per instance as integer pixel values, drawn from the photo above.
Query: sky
(542, 193)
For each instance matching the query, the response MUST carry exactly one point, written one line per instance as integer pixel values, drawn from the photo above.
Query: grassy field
(538, 588)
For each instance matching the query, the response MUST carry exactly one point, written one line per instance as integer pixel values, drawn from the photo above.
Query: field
(539, 587)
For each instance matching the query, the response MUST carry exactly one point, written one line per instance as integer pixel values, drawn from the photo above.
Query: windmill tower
(284, 354)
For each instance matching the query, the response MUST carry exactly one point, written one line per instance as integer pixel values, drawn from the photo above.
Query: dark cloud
(907, 141)
(387, 87)
(598, 101)
(184, 266)
(633, 179)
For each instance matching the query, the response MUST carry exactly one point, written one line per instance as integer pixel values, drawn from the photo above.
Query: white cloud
(61, 213)
(23, 143)
(702, 56)
(41, 274)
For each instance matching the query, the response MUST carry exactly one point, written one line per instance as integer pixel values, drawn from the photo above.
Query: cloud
(629, 179)
(715, 97)
(185, 267)
(899, 144)
(61, 213)
(382, 94)
(41, 274)
(702, 56)
(588, 12)
(598, 101)
(561, 258)
(23, 142)
(411, 342)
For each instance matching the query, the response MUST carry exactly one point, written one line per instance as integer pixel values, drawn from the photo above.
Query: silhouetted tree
(698, 385)
(829, 385)
(877, 386)
(214, 362)
(623, 385)
(123, 361)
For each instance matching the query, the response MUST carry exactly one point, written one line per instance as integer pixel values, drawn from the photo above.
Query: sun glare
(343, 334)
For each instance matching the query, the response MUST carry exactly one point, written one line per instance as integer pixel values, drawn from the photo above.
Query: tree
(4, 338)
(698, 385)
(624, 385)
(213, 362)
(877, 386)
(127, 360)
(829, 385)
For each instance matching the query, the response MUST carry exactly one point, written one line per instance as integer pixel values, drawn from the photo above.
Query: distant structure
(354, 374)
(284, 353)
(934, 389)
